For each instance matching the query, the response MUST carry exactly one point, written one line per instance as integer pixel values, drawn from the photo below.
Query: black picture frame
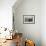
(28, 19)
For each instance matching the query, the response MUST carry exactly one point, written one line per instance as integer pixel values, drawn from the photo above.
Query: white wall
(31, 31)
(6, 13)
(37, 31)
(43, 22)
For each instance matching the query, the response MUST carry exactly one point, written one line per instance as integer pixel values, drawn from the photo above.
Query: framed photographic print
(28, 19)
